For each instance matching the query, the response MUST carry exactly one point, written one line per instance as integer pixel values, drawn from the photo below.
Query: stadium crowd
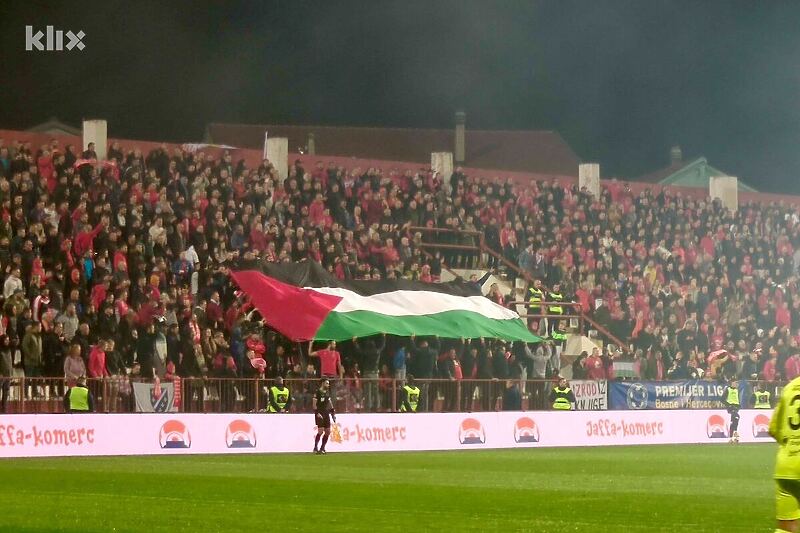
(120, 267)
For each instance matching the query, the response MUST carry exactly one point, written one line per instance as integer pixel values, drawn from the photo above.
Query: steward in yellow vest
(536, 295)
(561, 397)
(730, 395)
(761, 398)
(558, 336)
(280, 397)
(410, 397)
(556, 297)
(78, 399)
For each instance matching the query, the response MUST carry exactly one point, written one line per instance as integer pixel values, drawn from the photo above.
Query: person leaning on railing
(74, 366)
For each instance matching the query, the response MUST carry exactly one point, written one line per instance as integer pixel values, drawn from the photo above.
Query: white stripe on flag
(411, 303)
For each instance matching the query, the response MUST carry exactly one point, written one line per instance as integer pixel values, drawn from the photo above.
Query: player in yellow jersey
(785, 428)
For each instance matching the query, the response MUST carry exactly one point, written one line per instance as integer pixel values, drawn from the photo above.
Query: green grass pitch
(621, 489)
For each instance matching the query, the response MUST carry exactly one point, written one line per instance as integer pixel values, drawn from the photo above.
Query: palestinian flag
(341, 313)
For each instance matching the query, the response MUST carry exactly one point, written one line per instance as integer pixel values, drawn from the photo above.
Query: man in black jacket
(484, 365)
(370, 363)
(512, 399)
(450, 369)
(423, 364)
(146, 351)
(468, 361)
(191, 370)
(53, 349)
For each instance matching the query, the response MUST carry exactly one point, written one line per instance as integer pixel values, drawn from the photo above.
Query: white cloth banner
(590, 395)
(179, 433)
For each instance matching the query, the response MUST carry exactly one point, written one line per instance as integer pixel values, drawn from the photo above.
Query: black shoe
(316, 451)
(322, 452)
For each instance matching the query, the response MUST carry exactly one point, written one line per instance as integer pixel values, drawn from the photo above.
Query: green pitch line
(625, 489)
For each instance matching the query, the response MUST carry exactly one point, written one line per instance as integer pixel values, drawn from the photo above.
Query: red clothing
(47, 172)
(194, 330)
(707, 244)
(768, 372)
(231, 315)
(611, 374)
(391, 257)
(595, 368)
(791, 368)
(316, 212)
(373, 211)
(213, 312)
(258, 240)
(505, 236)
(84, 241)
(257, 346)
(146, 314)
(584, 300)
(122, 308)
(98, 295)
(783, 318)
(120, 259)
(329, 362)
(97, 363)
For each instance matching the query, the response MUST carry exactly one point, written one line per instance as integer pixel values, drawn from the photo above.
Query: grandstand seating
(670, 275)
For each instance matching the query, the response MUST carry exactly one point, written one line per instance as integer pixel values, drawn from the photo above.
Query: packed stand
(119, 269)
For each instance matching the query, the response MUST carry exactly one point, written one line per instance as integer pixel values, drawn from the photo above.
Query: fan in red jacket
(255, 343)
(97, 361)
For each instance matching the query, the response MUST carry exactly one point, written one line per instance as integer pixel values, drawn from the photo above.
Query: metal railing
(222, 395)
(232, 395)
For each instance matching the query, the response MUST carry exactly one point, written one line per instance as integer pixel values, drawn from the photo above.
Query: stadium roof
(53, 126)
(688, 174)
(538, 151)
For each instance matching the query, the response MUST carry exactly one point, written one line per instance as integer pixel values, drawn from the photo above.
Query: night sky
(621, 81)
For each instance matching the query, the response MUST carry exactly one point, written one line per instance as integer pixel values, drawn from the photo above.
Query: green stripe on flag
(448, 324)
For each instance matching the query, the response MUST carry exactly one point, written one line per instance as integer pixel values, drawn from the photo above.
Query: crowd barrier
(177, 434)
(229, 395)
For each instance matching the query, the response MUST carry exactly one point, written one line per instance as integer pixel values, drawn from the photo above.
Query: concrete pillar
(675, 155)
(278, 155)
(311, 145)
(589, 177)
(442, 162)
(96, 131)
(460, 144)
(726, 188)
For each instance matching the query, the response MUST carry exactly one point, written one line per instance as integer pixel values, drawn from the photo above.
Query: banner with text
(690, 394)
(590, 395)
(193, 433)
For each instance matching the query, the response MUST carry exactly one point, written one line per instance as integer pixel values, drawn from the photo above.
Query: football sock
(324, 441)
(316, 442)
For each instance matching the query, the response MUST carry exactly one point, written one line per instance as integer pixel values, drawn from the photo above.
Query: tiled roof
(543, 152)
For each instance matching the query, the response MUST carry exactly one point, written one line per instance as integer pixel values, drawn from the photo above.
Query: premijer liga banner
(690, 394)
